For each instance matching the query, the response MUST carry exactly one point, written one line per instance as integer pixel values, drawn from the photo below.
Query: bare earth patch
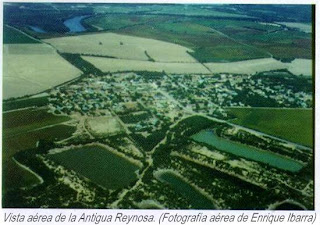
(104, 125)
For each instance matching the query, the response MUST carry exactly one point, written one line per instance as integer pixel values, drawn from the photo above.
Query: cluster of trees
(129, 118)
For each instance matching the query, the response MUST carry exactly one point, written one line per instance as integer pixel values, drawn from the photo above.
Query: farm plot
(297, 66)
(23, 121)
(32, 68)
(292, 124)
(20, 177)
(118, 65)
(307, 28)
(247, 67)
(123, 47)
(300, 66)
(22, 129)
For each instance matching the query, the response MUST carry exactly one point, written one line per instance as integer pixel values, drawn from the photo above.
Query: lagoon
(98, 164)
(248, 152)
(196, 199)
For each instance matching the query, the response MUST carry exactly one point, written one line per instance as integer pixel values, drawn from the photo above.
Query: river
(74, 24)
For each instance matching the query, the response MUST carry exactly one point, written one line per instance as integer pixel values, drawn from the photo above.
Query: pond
(196, 199)
(267, 157)
(98, 164)
(74, 24)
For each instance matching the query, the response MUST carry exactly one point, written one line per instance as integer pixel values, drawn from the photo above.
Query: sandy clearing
(206, 152)
(117, 65)
(32, 68)
(122, 47)
(149, 204)
(242, 164)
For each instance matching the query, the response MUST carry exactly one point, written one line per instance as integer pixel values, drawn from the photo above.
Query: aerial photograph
(158, 106)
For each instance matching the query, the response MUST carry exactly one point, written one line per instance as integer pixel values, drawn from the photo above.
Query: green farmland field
(208, 44)
(24, 141)
(295, 125)
(21, 121)
(22, 129)
(212, 40)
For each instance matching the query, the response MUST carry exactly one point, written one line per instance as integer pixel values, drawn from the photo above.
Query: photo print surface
(158, 106)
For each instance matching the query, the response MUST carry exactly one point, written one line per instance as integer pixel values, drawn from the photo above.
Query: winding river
(74, 24)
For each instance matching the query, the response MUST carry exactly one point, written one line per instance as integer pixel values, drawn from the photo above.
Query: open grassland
(117, 65)
(32, 68)
(98, 164)
(123, 47)
(295, 125)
